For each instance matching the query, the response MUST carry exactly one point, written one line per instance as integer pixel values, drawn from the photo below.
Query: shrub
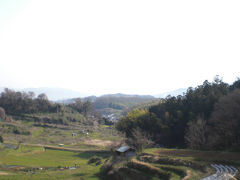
(96, 160)
(1, 139)
(176, 170)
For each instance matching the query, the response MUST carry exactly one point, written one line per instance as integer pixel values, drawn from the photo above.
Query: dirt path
(3, 173)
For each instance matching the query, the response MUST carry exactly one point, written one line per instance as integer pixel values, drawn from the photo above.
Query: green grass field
(27, 162)
(30, 161)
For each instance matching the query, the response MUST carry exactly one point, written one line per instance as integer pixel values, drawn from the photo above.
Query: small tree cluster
(139, 140)
(15, 102)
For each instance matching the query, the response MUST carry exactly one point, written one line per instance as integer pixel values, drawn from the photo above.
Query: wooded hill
(206, 117)
(25, 106)
(116, 104)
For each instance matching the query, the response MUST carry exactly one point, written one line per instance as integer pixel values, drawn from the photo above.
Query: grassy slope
(57, 134)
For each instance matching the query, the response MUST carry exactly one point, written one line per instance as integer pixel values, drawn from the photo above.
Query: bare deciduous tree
(2, 113)
(225, 122)
(196, 135)
(139, 140)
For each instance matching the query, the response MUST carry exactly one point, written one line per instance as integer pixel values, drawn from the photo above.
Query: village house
(125, 151)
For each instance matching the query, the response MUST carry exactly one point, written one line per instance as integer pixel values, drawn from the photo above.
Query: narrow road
(222, 173)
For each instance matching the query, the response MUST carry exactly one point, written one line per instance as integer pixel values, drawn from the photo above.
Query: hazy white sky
(109, 46)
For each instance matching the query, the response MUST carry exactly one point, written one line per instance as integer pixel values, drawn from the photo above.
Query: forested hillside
(117, 104)
(114, 105)
(25, 106)
(120, 101)
(206, 117)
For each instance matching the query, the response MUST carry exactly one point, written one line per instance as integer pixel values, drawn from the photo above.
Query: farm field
(31, 162)
(52, 152)
(34, 162)
(66, 156)
(85, 137)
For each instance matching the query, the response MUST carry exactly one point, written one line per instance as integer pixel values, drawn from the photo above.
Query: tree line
(205, 117)
(18, 104)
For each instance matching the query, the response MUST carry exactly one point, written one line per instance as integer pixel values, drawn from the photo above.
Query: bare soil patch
(3, 173)
(98, 142)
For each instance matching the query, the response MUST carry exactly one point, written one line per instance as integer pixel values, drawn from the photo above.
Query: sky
(111, 46)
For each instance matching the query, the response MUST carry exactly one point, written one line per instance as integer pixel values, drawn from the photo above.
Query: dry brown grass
(207, 155)
(148, 168)
(143, 164)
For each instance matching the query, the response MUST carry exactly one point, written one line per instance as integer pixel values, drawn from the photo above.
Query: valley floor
(83, 152)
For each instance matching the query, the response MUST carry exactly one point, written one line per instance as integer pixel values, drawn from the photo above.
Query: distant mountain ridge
(121, 101)
(120, 95)
(55, 94)
(106, 96)
(176, 92)
(63, 95)
(113, 105)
